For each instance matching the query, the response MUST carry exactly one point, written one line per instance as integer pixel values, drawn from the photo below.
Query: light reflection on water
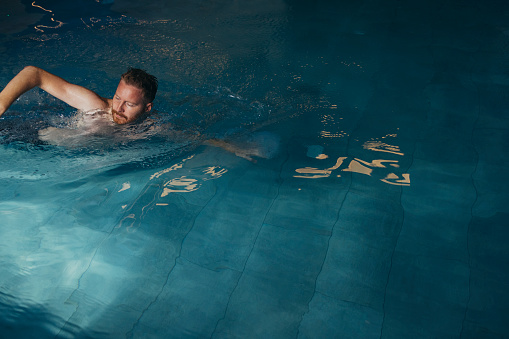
(170, 180)
(376, 168)
(383, 169)
(357, 166)
(41, 28)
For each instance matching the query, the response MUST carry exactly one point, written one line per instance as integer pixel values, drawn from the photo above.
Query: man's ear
(148, 107)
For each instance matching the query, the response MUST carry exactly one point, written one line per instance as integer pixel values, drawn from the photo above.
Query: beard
(118, 117)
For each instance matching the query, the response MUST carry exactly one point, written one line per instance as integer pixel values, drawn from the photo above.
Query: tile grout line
(394, 251)
(107, 235)
(252, 248)
(392, 259)
(129, 334)
(472, 139)
(325, 256)
(399, 232)
(350, 136)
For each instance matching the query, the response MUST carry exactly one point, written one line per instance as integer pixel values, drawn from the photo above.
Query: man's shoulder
(108, 102)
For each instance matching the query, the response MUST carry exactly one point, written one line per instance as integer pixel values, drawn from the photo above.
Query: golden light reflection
(40, 27)
(393, 179)
(379, 146)
(157, 194)
(180, 185)
(357, 166)
(44, 9)
(374, 168)
(187, 183)
(331, 121)
(92, 21)
(352, 64)
(125, 186)
(172, 168)
(327, 134)
(214, 172)
(318, 173)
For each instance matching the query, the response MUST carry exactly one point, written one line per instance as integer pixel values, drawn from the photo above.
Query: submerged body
(97, 127)
(85, 128)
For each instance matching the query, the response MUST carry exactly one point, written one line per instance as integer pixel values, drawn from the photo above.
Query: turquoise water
(376, 206)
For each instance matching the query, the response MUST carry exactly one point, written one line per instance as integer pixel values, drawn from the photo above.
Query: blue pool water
(377, 206)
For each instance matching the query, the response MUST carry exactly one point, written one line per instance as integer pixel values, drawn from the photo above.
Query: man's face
(128, 103)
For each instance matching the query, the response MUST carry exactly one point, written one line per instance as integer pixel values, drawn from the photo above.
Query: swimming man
(134, 95)
(133, 98)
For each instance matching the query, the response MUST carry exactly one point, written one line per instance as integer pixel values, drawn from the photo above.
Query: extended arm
(30, 77)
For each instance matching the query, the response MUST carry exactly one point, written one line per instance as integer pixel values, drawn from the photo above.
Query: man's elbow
(32, 70)
(32, 73)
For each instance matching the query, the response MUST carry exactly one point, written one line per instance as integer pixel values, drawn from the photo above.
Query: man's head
(134, 95)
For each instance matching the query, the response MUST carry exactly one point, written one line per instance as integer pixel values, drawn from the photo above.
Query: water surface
(376, 207)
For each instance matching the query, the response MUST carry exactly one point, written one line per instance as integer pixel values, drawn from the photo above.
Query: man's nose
(120, 107)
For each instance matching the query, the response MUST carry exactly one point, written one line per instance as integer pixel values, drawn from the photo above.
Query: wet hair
(141, 79)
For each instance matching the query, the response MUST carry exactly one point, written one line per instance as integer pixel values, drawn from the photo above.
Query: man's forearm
(24, 81)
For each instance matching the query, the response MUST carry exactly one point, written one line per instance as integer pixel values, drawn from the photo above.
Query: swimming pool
(379, 209)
